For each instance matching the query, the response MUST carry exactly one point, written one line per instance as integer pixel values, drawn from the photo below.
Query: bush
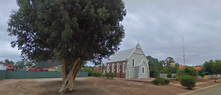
(169, 75)
(155, 74)
(103, 75)
(107, 75)
(188, 81)
(112, 75)
(187, 71)
(167, 81)
(160, 80)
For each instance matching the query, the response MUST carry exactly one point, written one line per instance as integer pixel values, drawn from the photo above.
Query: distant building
(3, 66)
(182, 66)
(197, 67)
(131, 63)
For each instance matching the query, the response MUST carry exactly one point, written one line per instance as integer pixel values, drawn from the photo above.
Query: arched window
(112, 67)
(143, 70)
(108, 68)
(124, 67)
(117, 67)
(133, 61)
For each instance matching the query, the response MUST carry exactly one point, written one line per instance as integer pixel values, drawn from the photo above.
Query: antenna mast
(183, 52)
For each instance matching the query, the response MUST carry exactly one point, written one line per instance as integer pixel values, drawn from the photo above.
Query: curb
(199, 89)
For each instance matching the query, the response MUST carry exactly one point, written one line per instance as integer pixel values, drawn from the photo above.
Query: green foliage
(216, 68)
(88, 69)
(109, 75)
(187, 71)
(176, 79)
(29, 64)
(207, 66)
(167, 81)
(188, 81)
(169, 75)
(112, 75)
(20, 64)
(160, 80)
(155, 74)
(190, 71)
(151, 72)
(96, 74)
(77, 29)
(168, 61)
(172, 69)
(201, 73)
(180, 73)
(8, 61)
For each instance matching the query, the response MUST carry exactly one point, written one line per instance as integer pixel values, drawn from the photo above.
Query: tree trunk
(216, 78)
(63, 63)
(69, 78)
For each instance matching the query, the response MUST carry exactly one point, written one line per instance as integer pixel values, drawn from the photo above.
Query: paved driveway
(216, 90)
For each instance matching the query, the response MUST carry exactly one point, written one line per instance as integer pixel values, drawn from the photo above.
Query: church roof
(120, 56)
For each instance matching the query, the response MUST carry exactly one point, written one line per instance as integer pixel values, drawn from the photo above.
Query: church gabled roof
(120, 56)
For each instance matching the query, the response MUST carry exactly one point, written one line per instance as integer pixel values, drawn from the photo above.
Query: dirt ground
(87, 86)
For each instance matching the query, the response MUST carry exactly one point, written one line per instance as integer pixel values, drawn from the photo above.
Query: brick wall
(120, 73)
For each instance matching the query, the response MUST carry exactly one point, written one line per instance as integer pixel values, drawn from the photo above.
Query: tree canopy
(76, 30)
(216, 68)
(7, 61)
(207, 66)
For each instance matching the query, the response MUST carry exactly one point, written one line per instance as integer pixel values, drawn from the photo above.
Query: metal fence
(42, 74)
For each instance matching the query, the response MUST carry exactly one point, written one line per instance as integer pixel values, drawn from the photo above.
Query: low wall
(208, 76)
(165, 75)
(32, 74)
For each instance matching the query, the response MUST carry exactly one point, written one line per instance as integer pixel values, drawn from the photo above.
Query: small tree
(169, 75)
(188, 81)
(187, 71)
(201, 73)
(216, 68)
(155, 74)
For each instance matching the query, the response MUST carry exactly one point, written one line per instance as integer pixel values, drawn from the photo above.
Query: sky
(158, 25)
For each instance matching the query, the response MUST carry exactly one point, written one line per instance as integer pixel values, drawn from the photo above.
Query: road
(216, 90)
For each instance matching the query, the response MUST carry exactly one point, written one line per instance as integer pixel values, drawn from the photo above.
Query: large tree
(77, 30)
(168, 61)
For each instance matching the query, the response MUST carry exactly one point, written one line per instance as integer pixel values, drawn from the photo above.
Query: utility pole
(183, 52)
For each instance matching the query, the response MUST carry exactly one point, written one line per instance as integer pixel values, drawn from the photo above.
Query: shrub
(112, 75)
(188, 81)
(159, 80)
(102, 75)
(169, 75)
(155, 74)
(167, 81)
(107, 75)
